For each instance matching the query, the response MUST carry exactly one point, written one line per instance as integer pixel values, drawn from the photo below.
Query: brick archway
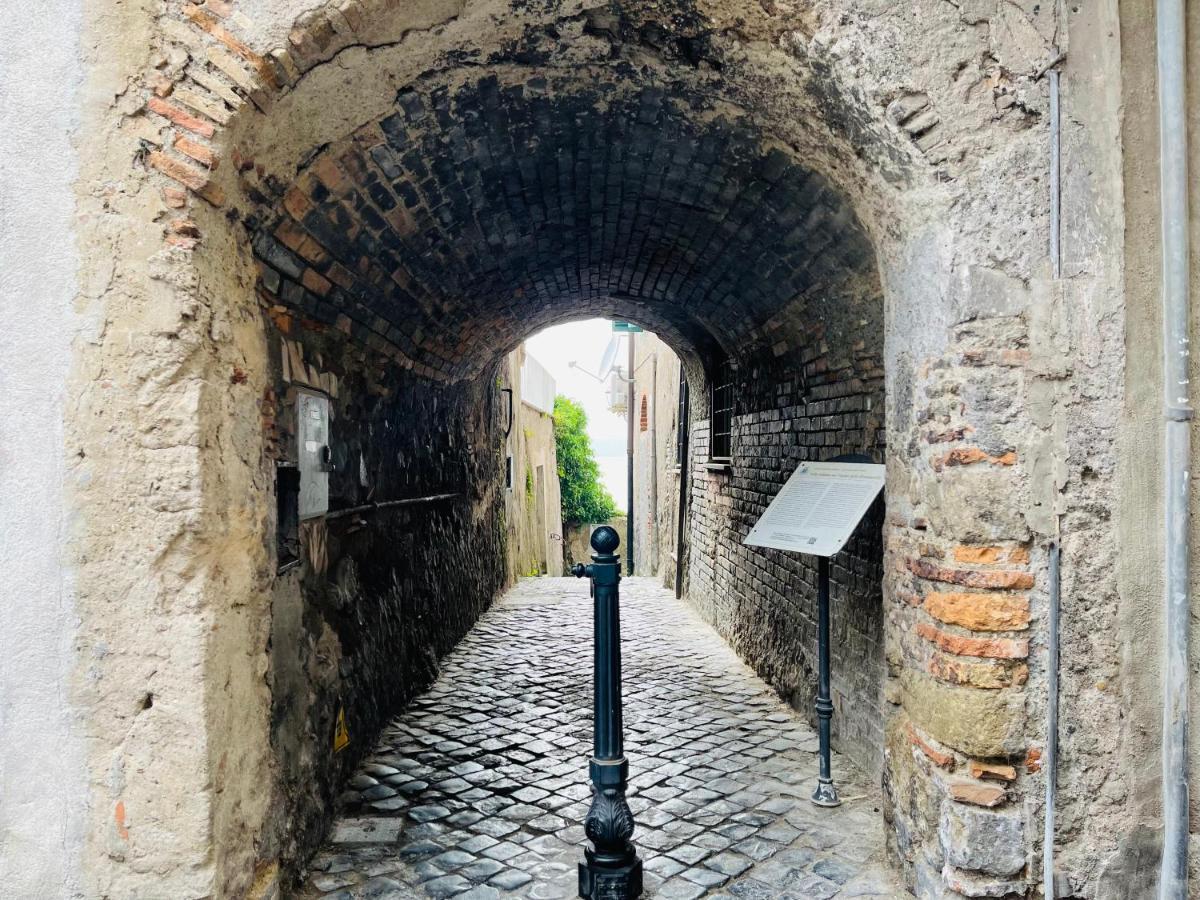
(278, 156)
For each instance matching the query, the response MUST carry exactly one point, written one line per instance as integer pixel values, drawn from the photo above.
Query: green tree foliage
(584, 498)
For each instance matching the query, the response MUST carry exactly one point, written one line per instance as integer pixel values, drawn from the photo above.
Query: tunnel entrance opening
(405, 258)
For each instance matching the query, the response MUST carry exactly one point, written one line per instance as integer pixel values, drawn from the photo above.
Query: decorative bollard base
(826, 795)
(599, 881)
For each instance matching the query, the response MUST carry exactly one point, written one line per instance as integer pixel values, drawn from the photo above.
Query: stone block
(980, 612)
(960, 645)
(995, 771)
(969, 885)
(973, 578)
(991, 674)
(975, 722)
(977, 793)
(367, 830)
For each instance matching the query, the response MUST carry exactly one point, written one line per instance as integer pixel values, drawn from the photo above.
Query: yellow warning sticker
(341, 736)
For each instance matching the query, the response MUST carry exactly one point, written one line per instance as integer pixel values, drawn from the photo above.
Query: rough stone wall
(381, 594)
(170, 539)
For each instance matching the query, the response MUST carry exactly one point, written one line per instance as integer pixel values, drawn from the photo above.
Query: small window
(287, 516)
(508, 473)
(681, 417)
(721, 439)
(645, 415)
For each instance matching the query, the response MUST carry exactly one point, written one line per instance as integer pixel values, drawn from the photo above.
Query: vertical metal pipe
(1051, 757)
(1052, 640)
(629, 466)
(1173, 199)
(684, 439)
(652, 513)
(1055, 178)
(825, 793)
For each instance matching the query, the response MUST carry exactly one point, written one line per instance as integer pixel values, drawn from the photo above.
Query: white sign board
(818, 508)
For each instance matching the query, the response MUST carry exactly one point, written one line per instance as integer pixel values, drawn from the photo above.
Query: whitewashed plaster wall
(42, 784)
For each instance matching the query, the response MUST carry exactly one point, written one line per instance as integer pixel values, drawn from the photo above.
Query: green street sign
(626, 327)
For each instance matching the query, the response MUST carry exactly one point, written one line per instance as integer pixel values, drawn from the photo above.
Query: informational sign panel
(818, 508)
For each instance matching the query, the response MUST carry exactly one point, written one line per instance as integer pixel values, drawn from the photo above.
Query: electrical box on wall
(312, 433)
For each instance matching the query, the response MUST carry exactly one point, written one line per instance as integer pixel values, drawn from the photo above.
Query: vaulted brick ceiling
(474, 215)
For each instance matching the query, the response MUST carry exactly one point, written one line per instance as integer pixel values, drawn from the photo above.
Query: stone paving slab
(478, 789)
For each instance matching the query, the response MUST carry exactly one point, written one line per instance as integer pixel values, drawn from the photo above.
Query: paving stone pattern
(478, 789)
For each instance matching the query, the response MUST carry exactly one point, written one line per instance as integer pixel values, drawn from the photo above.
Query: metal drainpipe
(652, 517)
(1051, 758)
(1055, 550)
(1173, 199)
(681, 523)
(629, 465)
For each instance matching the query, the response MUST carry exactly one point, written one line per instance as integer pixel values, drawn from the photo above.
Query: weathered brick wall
(380, 595)
(809, 404)
(964, 742)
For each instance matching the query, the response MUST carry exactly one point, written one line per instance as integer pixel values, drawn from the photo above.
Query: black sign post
(815, 513)
(825, 794)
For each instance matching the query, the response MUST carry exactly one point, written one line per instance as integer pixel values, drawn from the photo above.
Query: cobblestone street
(478, 789)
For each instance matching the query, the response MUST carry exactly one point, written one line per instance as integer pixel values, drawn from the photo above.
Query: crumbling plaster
(533, 520)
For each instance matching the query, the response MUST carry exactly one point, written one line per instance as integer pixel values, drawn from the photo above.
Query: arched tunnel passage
(404, 261)
(497, 207)
(239, 124)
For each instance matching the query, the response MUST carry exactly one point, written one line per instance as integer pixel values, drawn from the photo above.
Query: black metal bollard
(611, 869)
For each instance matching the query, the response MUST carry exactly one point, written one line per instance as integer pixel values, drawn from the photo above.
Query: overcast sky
(585, 342)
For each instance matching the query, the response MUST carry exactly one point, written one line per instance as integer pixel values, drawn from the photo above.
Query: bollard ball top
(605, 539)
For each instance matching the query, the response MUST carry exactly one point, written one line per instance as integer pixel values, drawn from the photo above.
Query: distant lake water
(613, 476)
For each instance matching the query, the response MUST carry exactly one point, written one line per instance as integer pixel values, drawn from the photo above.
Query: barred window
(721, 440)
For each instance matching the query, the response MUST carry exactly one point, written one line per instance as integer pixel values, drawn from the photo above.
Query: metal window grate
(721, 442)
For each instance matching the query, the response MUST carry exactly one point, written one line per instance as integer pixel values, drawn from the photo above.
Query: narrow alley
(479, 788)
